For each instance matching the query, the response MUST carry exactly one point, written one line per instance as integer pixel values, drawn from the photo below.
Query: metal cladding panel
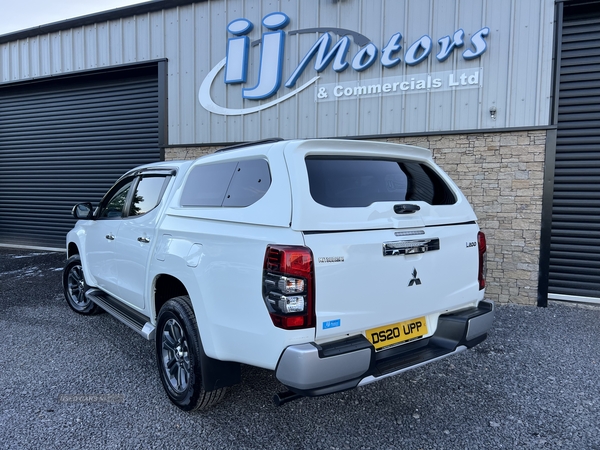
(67, 141)
(513, 75)
(575, 236)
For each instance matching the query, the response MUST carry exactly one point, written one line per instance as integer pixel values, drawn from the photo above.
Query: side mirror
(83, 211)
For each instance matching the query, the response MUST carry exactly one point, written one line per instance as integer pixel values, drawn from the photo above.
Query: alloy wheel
(176, 356)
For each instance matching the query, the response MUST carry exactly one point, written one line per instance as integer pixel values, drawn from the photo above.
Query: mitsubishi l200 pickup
(333, 263)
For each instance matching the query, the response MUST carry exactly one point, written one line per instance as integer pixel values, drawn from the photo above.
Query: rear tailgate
(393, 238)
(365, 280)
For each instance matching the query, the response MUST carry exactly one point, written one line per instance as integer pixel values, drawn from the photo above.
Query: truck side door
(136, 237)
(101, 247)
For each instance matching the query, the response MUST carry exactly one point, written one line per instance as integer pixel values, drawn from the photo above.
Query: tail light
(481, 245)
(289, 286)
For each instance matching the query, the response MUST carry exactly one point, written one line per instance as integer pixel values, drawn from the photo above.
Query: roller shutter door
(67, 141)
(574, 272)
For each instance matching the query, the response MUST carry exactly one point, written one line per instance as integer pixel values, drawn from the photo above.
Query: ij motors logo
(351, 51)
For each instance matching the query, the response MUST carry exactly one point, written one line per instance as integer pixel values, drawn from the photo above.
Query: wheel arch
(72, 249)
(167, 287)
(216, 374)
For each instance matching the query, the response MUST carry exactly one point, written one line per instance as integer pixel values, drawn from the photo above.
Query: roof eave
(90, 19)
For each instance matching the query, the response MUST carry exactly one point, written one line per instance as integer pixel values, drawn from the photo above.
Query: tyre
(179, 354)
(74, 286)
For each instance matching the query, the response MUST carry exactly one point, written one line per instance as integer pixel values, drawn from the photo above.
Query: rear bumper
(311, 369)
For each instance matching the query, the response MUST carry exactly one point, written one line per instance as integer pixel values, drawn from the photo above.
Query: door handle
(143, 240)
(406, 208)
(110, 237)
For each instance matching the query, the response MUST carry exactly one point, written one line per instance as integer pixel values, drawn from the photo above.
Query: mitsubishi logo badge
(415, 280)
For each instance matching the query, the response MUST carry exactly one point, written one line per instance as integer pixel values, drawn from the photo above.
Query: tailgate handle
(406, 209)
(410, 247)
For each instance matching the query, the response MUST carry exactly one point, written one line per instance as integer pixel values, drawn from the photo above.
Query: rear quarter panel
(218, 253)
(220, 263)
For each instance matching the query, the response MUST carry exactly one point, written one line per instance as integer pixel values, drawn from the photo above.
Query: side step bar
(133, 319)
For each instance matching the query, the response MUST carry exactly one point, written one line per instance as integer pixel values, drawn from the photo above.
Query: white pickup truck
(333, 263)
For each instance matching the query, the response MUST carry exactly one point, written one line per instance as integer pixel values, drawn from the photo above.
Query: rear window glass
(229, 184)
(342, 182)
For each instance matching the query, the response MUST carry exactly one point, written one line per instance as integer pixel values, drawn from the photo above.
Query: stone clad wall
(188, 153)
(501, 174)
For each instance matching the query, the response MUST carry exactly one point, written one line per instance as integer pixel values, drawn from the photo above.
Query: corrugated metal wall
(67, 141)
(516, 66)
(574, 272)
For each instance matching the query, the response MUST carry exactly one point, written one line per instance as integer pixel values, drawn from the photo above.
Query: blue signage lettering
(237, 51)
(479, 44)
(422, 47)
(393, 46)
(270, 67)
(323, 57)
(365, 58)
(448, 44)
(271, 58)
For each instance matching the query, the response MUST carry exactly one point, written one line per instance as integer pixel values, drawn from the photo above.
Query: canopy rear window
(347, 182)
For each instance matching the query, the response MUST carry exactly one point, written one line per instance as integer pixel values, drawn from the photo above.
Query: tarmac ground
(70, 381)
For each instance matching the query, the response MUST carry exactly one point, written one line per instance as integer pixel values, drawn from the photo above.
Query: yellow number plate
(397, 332)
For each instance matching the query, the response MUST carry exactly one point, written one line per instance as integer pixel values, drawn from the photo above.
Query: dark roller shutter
(575, 238)
(67, 141)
